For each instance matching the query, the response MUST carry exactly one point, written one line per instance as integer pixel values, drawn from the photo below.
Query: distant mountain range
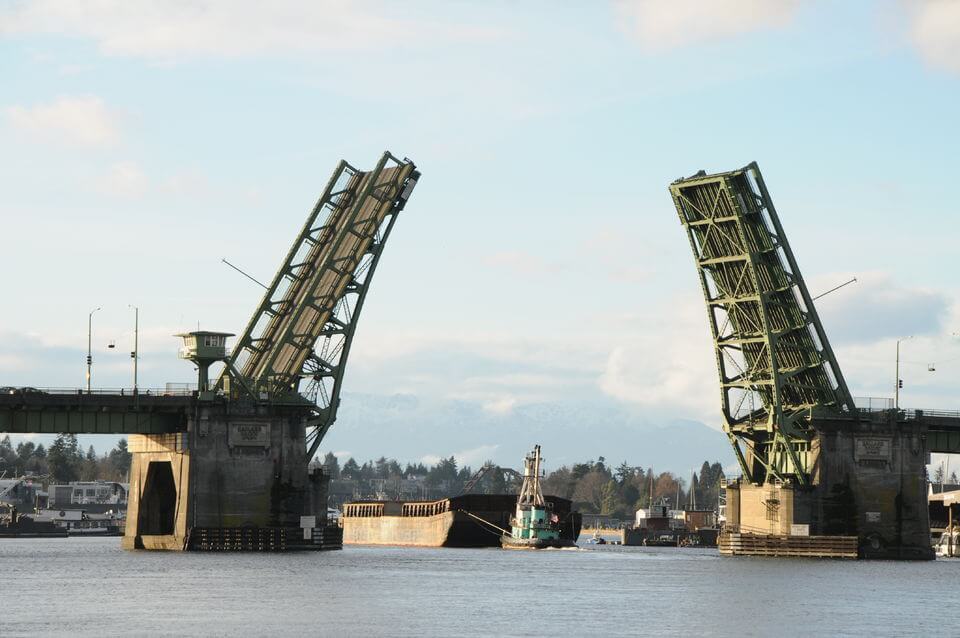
(408, 428)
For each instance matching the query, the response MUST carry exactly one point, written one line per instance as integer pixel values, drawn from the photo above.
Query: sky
(540, 261)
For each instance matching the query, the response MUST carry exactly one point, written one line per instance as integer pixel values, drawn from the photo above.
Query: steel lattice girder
(306, 320)
(775, 363)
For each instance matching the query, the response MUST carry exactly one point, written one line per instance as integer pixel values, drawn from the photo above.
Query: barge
(468, 520)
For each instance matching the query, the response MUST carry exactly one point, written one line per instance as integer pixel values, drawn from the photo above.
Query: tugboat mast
(530, 493)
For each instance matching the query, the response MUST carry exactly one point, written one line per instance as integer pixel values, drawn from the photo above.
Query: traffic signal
(899, 383)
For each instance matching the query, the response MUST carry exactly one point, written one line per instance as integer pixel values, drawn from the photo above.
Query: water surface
(90, 587)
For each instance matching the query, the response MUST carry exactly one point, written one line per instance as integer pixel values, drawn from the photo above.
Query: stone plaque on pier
(249, 434)
(872, 449)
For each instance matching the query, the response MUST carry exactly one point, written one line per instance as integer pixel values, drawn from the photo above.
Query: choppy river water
(90, 587)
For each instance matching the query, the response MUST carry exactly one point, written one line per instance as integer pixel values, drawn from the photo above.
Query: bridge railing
(160, 392)
(912, 414)
(873, 404)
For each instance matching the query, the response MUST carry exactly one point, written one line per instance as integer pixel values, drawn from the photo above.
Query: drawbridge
(225, 466)
(813, 463)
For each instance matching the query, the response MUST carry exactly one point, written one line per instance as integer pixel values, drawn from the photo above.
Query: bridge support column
(237, 479)
(868, 484)
(159, 492)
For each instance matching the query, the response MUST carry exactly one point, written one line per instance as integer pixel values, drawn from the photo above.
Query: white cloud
(667, 366)
(12, 363)
(665, 24)
(522, 263)
(935, 32)
(877, 307)
(80, 120)
(169, 31)
(190, 183)
(473, 457)
(124, 179)
(663, 379)
(503, 405)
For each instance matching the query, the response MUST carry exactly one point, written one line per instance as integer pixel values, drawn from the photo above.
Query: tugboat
(535, 525)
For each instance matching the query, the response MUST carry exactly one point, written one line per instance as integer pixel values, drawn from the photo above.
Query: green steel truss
(775, 364)
(305, 324)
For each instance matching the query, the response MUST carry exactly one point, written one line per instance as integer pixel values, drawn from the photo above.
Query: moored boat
(16, 525)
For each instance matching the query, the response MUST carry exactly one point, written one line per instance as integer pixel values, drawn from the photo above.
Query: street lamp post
(136, 335)
(89, 344)
(899, 383)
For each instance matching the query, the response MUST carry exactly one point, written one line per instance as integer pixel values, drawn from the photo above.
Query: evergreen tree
(118, 462)
(694, 498)
(610, 503)
(64, 459)
(331, 465)
(350, 470)
(580, 470)
(7, 456)
(938, 475)
(90, 467)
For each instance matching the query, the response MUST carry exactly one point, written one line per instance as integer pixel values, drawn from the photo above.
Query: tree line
(443, 473)
(595, 487)
(64, 461)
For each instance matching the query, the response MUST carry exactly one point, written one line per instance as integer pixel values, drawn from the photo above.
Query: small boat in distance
(597, 539)
(535, 525)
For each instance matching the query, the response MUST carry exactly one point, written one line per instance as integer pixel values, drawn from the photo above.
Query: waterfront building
(88, 493)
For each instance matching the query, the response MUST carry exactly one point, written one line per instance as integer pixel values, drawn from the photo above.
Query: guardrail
(913, 414)
(872, 404)
(163, 392)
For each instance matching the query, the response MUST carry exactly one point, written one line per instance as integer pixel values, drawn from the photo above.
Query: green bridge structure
(813, 462)
(227, 465)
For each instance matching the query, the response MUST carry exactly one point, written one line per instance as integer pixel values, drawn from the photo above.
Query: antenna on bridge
(846, 283)
(250, 277)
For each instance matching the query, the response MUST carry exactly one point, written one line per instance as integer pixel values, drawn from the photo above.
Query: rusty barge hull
(441, 523)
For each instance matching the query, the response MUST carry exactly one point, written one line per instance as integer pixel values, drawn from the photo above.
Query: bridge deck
(79, 413)
(943, 426)
(943, 433)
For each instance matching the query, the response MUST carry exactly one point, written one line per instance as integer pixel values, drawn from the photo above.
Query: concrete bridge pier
(868, 483)
(237, 479)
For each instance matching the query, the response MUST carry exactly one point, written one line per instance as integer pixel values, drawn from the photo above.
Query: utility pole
(89, 344)
(135, 355)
